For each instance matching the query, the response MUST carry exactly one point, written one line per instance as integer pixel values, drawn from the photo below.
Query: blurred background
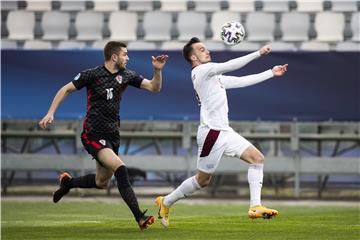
(306, 123)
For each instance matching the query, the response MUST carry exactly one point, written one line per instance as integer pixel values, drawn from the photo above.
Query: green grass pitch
(99, 220)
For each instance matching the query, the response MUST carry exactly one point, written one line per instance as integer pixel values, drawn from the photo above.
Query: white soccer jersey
(210, 86)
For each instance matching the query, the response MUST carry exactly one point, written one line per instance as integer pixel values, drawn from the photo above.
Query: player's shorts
(94, 143)
(213, 144)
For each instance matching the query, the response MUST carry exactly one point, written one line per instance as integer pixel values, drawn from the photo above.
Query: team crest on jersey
(119, 79)
(103, 142)
(77, 76)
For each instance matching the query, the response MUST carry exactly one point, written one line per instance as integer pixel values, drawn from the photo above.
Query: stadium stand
(20, 25)
(275, 6)
(355, 26)
(347, 46)
(188, 29)
(89, 26)
(207, 6)
(309, 5)
(343, 6)
(38, 5)
(257, 30)
(128, 31)
(157, 26)
(172, 45)
(173, 6)
(246, 46)
(140, 6)
(37, 44)
(8, 44)
(71, 45)
(73, 6)
(329, 26)
(106, 6)
(242, 6)
(295, 26)
(314, 46)
(55, 25)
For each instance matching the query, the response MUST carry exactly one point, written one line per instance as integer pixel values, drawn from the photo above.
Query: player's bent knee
(258, 158)
(102, 183)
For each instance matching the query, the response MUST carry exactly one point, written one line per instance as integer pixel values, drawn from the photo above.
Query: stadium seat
(140, 6)
(355, 26)
(347, 47)
(71, 45)
(275, 6)
(207, 6)
(157, 26)
(295, 26)
(173, 6)
(55, 25)
(282, 46)
(172, 45)
(99, 44)
(127, 31)
(314, 46)
(187, 27)
(141, 45)
(218, 19)
(89, 25)
(309, 5)
(329, 26)
(8, 44)
(73, 6)
(344, 6)
(20, 25)
(246, 46)
(37, 44)
(9, 5)
(242, 5)
(38, 5)
(215, 45)
(257, 30)
(106, 5)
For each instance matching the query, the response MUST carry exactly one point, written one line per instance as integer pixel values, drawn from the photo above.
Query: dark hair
(187, 50)
(112, 47)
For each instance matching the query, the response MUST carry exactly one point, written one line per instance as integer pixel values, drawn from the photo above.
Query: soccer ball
(232, 33)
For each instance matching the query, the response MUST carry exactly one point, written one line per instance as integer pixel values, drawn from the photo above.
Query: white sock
(255, 179)
(186, 188)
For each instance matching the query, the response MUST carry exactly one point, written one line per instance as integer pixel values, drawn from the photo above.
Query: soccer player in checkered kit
(215, 137)
(105, 85)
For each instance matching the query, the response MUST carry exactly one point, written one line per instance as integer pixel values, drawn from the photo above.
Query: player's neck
(111, 67)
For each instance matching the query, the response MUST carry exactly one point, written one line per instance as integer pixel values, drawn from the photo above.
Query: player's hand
(265, 50)
(48, 119)
(279, 70)
(158, 62)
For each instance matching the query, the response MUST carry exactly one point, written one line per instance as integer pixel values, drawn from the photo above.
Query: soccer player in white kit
(215, 137)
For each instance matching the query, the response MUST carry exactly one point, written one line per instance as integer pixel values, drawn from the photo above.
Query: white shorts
(213, 144)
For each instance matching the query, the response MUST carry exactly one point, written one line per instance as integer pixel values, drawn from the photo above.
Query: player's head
(116, 53)
(195, 52)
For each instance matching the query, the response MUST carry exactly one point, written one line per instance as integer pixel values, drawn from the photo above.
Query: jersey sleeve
(82, 79)
(135, 79)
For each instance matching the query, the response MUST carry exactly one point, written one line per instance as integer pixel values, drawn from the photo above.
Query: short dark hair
(112, 47)
(187, 50)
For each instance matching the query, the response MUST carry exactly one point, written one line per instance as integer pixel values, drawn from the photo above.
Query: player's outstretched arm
(59, 97)
(237, 82)
(154, 85)
(234, 64)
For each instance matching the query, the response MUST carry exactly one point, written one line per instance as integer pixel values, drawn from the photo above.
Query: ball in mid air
(232, 33)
